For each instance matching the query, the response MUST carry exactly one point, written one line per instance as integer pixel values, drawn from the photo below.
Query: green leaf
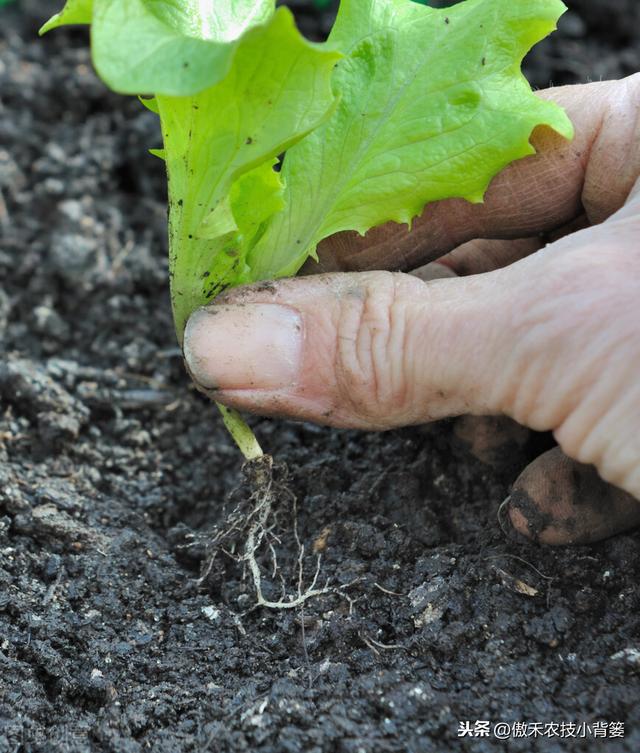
(277, 90)
(171, 47)
(255, 197)
(150, 103)
(74, 12)
(220, 222)
(216, 20)
(432, 106)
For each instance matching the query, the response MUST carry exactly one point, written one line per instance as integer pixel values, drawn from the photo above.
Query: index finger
(592, 175)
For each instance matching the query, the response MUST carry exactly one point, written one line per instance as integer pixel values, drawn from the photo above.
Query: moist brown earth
(114, 472)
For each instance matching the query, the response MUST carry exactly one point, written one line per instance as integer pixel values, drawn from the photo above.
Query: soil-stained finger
(557, 500)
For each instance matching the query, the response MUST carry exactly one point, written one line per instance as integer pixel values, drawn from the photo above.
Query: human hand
(549, 337)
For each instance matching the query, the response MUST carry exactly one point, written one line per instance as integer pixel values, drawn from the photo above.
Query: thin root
(248, 533)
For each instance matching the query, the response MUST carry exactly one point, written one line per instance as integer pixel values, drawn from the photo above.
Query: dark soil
(114, 472)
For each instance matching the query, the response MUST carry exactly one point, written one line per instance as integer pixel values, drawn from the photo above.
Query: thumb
(369, 350)
(551, 340)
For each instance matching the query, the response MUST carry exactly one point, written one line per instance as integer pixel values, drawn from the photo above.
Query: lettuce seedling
(403, 105)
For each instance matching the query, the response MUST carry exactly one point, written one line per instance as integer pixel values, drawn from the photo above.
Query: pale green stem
(241, 433)
(186, 291)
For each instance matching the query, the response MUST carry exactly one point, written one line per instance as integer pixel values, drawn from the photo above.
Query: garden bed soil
(114, 472)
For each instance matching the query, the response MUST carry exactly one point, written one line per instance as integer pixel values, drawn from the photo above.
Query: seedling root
(253, 531)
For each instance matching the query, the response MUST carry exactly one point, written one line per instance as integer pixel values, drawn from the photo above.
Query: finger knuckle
(371, 349)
